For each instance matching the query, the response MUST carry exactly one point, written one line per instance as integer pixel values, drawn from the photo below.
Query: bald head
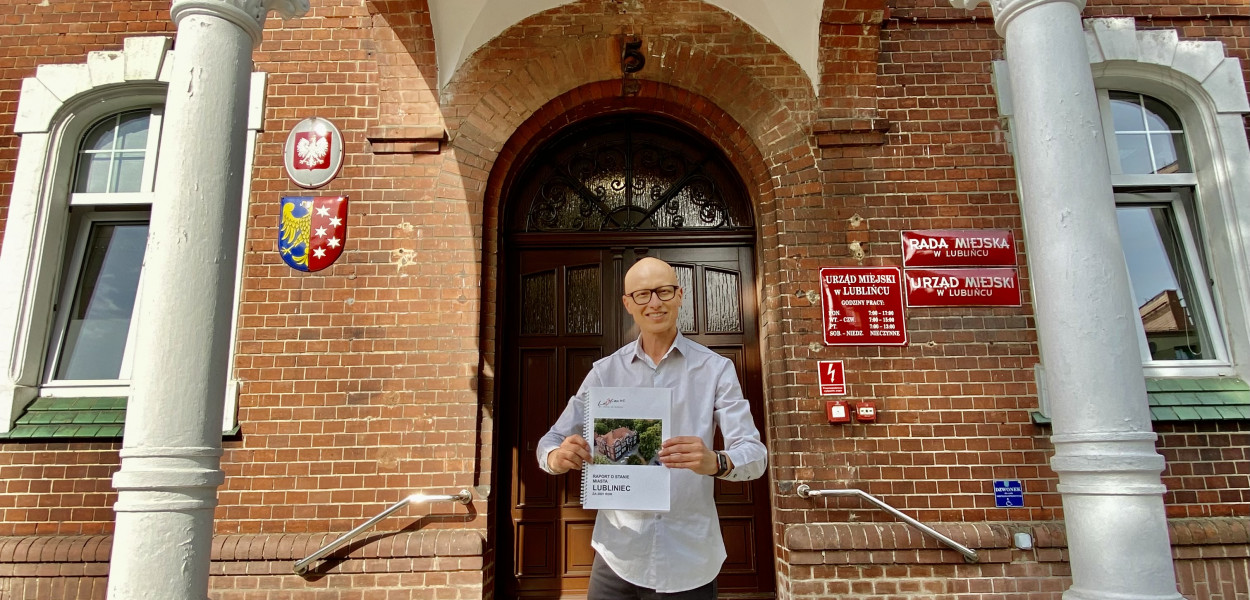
(649, 273)
(653, 280)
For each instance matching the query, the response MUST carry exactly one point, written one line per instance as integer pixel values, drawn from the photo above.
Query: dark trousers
(605, 584)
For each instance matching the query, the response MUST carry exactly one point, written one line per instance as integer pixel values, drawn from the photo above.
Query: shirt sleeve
(569, 423)
(733, 416)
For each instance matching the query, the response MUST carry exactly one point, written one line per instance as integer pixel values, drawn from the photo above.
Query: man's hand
(688, 452)
(570, 454)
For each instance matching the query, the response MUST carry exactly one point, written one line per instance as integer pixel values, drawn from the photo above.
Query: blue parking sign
(1008, 493)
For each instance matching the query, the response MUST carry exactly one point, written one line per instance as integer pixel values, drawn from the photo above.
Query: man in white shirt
(677, 554)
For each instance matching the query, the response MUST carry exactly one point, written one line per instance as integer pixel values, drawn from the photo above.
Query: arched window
(1163, 245)
(629, 173)
(109, 208)
(113, 155)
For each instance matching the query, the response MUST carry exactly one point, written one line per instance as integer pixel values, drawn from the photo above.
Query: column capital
(247, 14)
(1006, 10)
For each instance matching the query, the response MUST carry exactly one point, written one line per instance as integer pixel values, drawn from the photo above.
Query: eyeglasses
(665, 292)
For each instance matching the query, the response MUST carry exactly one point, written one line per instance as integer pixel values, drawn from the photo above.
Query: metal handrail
(970, 555)
(301, 567)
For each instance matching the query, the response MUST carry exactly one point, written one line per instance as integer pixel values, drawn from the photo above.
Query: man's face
(656, 317)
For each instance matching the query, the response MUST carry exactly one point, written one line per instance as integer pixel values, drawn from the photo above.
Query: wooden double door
(563, 312)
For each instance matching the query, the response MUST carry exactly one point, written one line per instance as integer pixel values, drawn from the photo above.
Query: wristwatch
(722, 465)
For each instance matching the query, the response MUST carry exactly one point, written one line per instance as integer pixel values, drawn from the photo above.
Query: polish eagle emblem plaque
(313, 231)
(313, 153)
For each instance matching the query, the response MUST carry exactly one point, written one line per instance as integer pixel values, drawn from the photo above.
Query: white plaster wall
(794, 25)
(463, 26)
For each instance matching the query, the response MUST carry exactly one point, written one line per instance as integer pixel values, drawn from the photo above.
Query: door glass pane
(538, 303)
(629, 173)
(724, 301)
(1164, 284)
(95, 337)
(685, 314)
(584, 292)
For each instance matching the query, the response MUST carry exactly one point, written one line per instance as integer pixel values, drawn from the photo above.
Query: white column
(170, 470)
(1104, 447)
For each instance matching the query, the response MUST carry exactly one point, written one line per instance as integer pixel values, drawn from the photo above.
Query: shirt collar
(679, 344)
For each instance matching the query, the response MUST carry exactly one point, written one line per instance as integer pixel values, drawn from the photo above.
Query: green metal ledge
(71, 418)
(1185, 399)
(75, 419)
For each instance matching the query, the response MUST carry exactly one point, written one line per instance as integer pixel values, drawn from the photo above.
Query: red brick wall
(1207, 470)
(399, 565)
(57, 489)
(955, 403)
(892, 561)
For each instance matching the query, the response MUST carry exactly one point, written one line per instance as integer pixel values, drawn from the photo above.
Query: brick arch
(691, 45)
(548, 54)
(770, 141)
(653, 98)
(495, 113)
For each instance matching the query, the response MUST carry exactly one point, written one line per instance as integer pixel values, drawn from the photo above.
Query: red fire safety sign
(862, 306)
(963, 287)
(959, 248)
(832, 377)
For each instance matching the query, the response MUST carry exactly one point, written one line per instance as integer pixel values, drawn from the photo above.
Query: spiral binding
(588, 433)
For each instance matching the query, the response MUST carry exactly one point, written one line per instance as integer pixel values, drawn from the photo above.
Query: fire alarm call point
(866, 412)
(838, 411)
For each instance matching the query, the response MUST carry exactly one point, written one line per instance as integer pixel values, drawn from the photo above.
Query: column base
(1080, 594)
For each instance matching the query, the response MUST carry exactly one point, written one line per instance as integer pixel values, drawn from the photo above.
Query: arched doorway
(589, 202)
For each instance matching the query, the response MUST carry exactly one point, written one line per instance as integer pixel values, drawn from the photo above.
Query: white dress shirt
(681, 549)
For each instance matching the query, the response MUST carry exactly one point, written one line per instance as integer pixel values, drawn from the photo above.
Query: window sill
(70, 418)
(64, 418)
(1190, 399)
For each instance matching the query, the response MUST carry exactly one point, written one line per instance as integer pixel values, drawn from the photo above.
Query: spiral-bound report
(625, 427)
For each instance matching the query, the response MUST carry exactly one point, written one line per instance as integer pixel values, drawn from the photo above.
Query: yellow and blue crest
(313, 231)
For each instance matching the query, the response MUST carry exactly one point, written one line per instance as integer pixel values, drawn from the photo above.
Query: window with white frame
(75, 232)
(89, 349)
(1155, 184)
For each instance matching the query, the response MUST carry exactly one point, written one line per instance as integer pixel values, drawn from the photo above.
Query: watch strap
(722, 465)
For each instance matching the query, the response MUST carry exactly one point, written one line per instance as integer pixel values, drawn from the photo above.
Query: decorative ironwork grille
(630, 173)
